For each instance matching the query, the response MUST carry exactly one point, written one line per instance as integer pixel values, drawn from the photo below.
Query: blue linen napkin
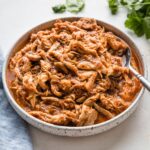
(13, 130)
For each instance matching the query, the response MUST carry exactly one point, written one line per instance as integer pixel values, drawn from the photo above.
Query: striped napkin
(13, 130)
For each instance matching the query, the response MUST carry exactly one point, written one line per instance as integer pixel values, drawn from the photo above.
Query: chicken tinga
(72, 74)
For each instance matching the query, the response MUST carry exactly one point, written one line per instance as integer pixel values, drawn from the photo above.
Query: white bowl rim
(10, 97)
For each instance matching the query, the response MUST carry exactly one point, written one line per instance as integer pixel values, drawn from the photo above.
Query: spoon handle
(144, 81)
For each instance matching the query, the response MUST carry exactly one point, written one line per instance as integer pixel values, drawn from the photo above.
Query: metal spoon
(144, 81)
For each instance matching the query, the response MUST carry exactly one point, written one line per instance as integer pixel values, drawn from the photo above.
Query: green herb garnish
(113, 5)
(138, 18)
(73, 6)
(59, 8)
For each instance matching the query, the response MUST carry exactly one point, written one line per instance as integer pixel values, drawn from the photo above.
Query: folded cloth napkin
(13, 130)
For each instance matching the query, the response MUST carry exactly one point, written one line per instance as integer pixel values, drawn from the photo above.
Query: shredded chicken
(72, 74)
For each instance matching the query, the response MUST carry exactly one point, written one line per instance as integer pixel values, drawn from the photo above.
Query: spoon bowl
(127, 60)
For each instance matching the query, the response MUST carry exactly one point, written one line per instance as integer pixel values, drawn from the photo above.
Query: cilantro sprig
(138, 17)
(73, 6)
(59, 8)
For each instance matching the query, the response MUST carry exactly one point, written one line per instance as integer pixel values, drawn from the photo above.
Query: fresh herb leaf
(59, 8)
(146, 26)
(134, 22)
(148, 11)
(136, 5)
(124, 2)
(113, 5)
(132, 4)
(74, 5)
(138, 18)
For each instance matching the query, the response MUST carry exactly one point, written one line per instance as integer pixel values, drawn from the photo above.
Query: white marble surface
(18, 16)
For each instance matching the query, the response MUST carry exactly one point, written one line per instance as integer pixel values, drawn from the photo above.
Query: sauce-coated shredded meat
(73, 74)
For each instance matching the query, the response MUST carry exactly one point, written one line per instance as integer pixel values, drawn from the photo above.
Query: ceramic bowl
(65, 130)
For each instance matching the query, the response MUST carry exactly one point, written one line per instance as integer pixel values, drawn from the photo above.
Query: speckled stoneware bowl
(64, 130)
